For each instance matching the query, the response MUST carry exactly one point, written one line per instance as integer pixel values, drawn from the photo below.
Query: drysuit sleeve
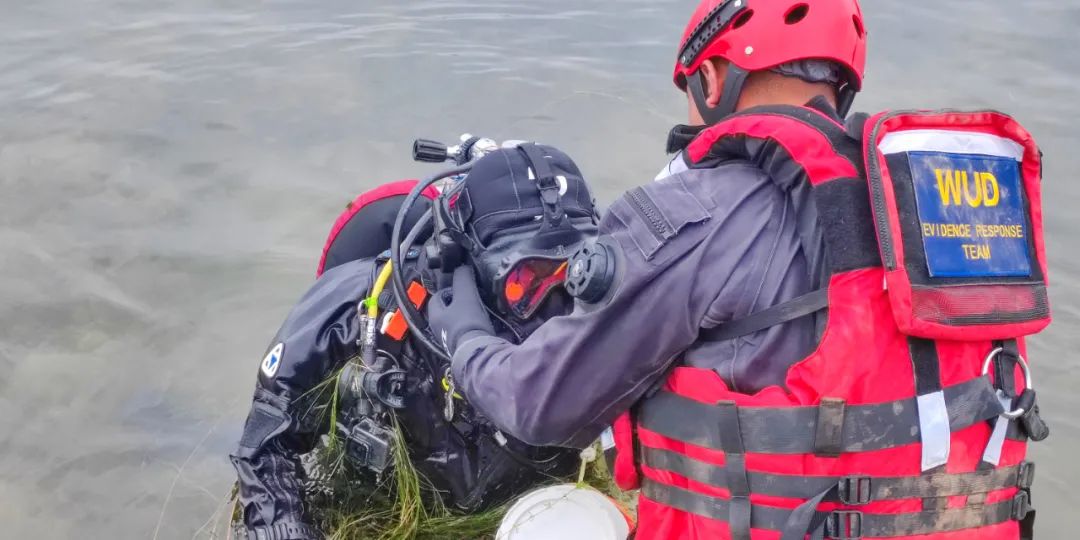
(680, 253)
(317, 338)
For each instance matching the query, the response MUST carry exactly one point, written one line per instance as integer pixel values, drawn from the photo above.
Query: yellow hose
(380, 284)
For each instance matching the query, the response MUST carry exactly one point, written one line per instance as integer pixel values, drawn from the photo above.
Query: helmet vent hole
(797, 13)
(743, 19)
(859, 30)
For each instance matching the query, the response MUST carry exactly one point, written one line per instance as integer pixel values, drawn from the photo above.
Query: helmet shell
(758, 35)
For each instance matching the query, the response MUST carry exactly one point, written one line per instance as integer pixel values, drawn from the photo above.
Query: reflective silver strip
(951, 142)
(992, 454)
(934, 430)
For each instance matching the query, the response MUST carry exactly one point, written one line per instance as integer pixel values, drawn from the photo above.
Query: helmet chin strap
(844, 99)
(732, 90)
(729, 95)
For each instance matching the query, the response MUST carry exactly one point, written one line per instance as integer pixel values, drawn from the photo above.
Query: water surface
(169, 170)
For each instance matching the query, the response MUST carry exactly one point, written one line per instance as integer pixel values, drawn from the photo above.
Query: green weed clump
(401, 506)
(346, 504)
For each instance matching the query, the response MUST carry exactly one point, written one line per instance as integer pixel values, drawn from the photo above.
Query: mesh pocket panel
(970, 305)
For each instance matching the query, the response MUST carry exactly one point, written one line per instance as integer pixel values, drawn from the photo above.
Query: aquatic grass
(402, 506)
(347, 504)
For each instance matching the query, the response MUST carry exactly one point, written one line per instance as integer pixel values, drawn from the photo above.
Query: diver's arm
(316, 339)
(576, 374)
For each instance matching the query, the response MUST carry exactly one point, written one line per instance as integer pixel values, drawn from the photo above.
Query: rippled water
(168, 171)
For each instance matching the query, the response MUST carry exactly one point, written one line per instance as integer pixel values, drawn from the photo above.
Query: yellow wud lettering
(987, 181)
(957, 188)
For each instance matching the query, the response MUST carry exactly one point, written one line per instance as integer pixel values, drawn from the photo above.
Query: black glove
(457, 314)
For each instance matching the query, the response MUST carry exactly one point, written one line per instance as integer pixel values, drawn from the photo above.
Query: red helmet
(756, 35)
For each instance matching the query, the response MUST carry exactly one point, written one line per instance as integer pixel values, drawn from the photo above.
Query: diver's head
(519, 215)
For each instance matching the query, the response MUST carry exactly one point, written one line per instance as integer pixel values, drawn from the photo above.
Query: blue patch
(972, 214)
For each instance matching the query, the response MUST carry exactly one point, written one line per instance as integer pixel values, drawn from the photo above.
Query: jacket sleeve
(317, 338)
(679, 260)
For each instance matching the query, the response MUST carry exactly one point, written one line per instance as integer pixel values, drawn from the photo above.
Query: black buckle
(1022, 505)
(844, 525)
(547, 183)
(1025, 476)
(549, 188)
(855, 490)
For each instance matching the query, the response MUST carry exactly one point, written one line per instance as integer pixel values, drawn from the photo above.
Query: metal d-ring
(1028, 385)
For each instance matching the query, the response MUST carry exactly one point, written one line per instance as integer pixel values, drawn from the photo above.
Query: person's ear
(713, 76)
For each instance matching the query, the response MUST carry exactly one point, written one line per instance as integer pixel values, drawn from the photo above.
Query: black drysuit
(469, 461)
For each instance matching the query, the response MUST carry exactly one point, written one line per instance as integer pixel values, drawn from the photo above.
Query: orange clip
(397, 327)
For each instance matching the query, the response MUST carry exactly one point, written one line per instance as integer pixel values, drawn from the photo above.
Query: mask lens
(530, 282)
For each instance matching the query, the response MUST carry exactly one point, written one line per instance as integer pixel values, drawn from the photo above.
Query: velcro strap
(828, 438)
(793, 309)
(540, 166)
(737, 482)
(852, 490)
(793, 430)
(867, 525)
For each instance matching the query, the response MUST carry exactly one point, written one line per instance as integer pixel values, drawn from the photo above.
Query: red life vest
(363, 229)
(899, 424)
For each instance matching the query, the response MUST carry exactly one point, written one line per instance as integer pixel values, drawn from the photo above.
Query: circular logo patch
(272, 361)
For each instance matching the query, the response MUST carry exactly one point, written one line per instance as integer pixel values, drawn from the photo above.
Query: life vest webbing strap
(793, 430)
(855, 489)
(793, 309)
(844, 524)
(933, 411)
(738, 484)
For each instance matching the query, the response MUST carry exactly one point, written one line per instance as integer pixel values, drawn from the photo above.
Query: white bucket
(564, 512)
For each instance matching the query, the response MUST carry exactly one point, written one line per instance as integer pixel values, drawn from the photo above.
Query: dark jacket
(728, 245)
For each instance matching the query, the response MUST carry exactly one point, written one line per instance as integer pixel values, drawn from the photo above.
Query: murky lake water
(169, 170)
